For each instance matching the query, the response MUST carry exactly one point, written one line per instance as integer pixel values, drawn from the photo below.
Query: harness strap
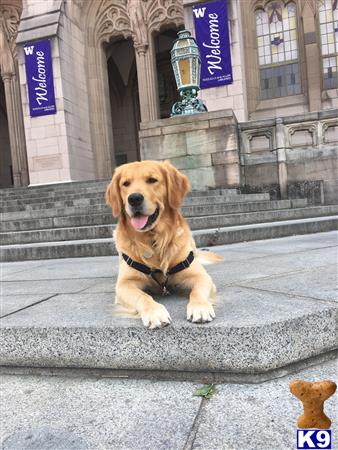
(138, 266)
(148, 271)
(182, 265)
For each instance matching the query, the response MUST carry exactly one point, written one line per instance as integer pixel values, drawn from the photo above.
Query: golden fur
(166, 243)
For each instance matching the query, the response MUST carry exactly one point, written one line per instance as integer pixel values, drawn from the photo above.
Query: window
(328, 22)
(276, 28)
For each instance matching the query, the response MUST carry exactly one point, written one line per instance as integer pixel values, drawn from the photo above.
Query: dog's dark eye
(126, 183)
(151, 180)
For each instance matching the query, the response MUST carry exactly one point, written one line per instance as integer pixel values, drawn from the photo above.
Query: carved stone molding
(111, 21)
(329, 123)
(248, 135)
(261, 4)
(137, 19)
(162, 13)
(325, 126)
(9, 22)
(310, 127)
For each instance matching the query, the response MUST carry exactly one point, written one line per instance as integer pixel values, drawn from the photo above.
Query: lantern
(186, 62)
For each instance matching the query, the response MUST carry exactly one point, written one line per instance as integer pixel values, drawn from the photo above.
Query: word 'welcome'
(213, 58)
(41, 88)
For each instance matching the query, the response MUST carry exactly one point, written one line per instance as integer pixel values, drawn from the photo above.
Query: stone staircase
(71, 219)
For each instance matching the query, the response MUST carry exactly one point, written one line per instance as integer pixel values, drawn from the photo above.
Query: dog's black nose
(135, 199)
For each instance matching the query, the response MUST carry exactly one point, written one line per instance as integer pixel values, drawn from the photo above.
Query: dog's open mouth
(141, 221)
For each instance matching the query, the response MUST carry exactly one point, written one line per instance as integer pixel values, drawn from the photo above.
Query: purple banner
(212, 36)
(39, 73)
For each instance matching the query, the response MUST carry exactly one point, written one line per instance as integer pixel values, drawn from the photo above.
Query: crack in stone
(28, 306)
(189, 444)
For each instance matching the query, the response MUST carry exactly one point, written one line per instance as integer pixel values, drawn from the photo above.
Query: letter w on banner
(212, 36)
(39, 72)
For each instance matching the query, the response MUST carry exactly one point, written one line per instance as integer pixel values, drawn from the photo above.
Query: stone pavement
(93, 412)
(277, 306)
(74, 378)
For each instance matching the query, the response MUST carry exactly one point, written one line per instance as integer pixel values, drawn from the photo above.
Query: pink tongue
(139, 222)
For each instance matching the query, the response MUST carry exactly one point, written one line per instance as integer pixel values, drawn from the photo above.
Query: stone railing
(292, 156)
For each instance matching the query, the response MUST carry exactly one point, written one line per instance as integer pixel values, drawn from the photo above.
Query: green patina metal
(186, 62)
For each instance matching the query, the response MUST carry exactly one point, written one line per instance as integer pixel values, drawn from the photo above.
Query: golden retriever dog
(155, 244)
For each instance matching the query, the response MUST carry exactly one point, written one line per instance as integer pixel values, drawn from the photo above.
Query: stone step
(106, 217)
(57, 234)
(198, 223)
(99, 201)
(54, 197)
(205, 237)
(50, 189)
(66, 189)
(90, 206)
(99, 198)
(102, 226)
(255, 331)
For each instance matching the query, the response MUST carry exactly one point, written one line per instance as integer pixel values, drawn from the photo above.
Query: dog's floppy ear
(178, 185)
(113, 196)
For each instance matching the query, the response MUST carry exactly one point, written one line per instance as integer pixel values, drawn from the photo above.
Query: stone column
(9, 20)
(147, 83)
(281, 159)
(312, 55)
(16, 131)
(145, 59)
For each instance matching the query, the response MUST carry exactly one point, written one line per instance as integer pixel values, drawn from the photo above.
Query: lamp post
(186, 62)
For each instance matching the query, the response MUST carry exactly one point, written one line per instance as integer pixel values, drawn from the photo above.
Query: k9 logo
(316, 439)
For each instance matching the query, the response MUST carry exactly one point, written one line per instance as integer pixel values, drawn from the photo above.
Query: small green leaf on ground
(206, 391)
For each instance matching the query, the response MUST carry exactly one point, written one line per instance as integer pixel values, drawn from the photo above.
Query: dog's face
(144, 190)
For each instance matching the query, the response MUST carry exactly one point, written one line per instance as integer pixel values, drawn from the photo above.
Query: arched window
(328, 22)
(276, 28)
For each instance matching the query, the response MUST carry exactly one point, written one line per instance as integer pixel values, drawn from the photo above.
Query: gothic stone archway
(105, 22)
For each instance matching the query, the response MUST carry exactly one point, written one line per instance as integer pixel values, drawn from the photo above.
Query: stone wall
(292, 156)
(58, 145)
(204, 146)
(75, 97)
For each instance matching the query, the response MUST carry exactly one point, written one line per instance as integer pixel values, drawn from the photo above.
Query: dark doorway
(124, 100)
(167, 89)
(6, 177)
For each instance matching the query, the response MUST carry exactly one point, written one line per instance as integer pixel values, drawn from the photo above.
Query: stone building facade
(275, 127)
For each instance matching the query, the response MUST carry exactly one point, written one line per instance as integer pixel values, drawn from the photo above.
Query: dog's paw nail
(201, 313)
(156, 317)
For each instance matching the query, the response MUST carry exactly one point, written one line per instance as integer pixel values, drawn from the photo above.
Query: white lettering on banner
(40, 89)
(199, 12)
(29, 50)
(213, 59)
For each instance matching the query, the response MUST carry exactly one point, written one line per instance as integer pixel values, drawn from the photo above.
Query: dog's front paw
(156, 316)
(200, 312)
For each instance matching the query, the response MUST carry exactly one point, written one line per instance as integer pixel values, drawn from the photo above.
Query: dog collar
(151, 272)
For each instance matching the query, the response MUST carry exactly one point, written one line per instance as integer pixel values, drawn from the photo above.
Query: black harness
(151, 272)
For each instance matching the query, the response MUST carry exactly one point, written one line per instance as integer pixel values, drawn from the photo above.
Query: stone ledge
(254, 332)
(296, 118)
(177, 120)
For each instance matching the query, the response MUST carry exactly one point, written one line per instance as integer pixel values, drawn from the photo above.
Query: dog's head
(145, 190)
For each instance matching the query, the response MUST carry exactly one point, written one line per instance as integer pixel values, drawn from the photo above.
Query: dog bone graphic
(313, 396)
